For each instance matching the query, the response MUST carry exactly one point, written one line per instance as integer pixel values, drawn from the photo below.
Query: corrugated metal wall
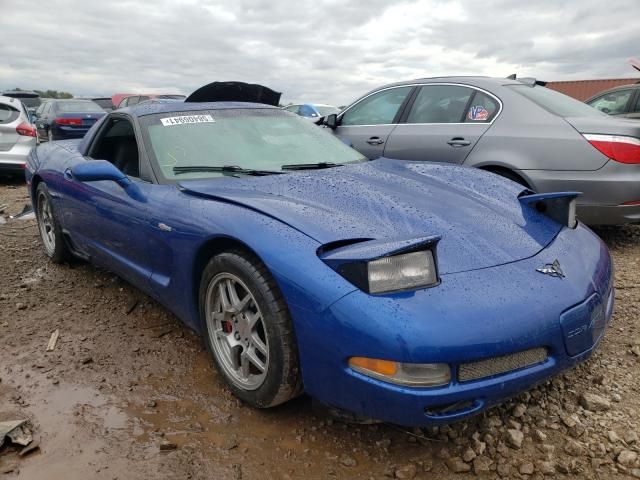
(584, 89)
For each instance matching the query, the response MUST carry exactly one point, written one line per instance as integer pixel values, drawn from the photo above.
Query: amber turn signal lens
(381, 367)
(408, 374)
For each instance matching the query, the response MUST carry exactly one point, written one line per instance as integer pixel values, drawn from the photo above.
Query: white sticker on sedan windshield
(184, 119)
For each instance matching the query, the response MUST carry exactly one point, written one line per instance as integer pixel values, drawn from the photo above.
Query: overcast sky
(328, 51)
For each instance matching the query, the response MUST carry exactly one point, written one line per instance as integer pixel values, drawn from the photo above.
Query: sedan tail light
(616, 147)
(69, 121)
(26, 130)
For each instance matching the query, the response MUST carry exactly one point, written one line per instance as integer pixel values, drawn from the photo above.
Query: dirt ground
(129, 393)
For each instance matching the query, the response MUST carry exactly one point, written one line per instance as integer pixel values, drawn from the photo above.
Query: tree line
(49, 93)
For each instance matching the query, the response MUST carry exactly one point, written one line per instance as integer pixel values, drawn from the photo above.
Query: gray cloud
(312, 50)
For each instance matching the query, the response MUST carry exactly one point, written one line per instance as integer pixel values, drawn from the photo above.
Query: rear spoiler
(559, 206)
(235, 92)
(529, 81)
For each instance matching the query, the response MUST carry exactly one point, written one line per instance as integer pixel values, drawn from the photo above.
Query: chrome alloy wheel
(45, 224)
(237, 331)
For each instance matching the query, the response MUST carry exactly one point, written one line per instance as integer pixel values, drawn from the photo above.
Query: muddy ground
(126, 380)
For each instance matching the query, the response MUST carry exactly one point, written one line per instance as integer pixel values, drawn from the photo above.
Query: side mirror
(97, 170)
(331, 121)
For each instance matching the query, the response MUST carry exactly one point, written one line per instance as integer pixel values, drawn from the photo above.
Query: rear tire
(50, 231)
(248, 330)
(514, 177)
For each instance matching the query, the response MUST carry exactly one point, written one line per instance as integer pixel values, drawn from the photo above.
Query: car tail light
(26, 130)
(616, 147)
(69, 121)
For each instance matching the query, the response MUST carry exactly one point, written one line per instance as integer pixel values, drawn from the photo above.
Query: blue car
(410, 292)
(65, 119)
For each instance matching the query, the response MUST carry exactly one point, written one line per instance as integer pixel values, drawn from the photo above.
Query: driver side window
(117, 144)
(377, 109)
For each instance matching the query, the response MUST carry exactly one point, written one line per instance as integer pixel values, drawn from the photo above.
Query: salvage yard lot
(126, 380)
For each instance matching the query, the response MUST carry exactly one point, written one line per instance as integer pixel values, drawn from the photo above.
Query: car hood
(477, 214)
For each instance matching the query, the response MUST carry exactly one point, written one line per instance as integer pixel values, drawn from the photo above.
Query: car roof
(9, 100)
(20, 93)
(614, 89)
(152, 108)
(475, 81)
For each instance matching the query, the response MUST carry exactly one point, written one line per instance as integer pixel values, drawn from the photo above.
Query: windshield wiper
(224, 169)
(310, 166)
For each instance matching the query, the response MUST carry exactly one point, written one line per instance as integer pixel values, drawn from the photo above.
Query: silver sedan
(515, 128)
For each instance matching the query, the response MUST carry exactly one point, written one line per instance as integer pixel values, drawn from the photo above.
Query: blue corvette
(408, 292)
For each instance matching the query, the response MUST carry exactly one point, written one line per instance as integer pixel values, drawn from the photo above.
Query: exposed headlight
(559, 206)
(402, 272)
(408, 374)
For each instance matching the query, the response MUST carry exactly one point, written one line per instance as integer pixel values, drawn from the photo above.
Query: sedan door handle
(459, 142)
(375, 141)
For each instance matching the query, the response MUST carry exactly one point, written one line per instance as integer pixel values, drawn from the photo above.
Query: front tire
(50, 230)
(248, 330)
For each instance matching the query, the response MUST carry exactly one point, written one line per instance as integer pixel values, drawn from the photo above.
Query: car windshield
(104, 102)
(326, 109)
(258, 139)
(556, 102)
(76, 106)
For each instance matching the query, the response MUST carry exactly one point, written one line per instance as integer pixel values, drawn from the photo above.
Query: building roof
(584, 89)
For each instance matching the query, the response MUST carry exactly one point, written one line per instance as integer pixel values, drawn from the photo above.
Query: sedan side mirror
(98, 170)
(331, 121)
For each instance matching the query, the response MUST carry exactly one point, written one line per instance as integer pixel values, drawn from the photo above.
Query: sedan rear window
(78, 106)
(8, 114)
(556, 102)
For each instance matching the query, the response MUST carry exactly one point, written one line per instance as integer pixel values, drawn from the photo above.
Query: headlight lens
(402, 272)
(409, 374)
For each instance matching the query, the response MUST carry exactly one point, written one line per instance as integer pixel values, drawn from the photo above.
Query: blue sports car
(410, 292)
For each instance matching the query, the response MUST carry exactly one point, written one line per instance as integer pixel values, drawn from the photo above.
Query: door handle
(459, 142)
(375, 141)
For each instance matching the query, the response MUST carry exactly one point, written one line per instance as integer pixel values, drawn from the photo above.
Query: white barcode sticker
(185, 119)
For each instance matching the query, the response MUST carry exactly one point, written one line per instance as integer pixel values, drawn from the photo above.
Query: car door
(442, 123)
(368, 123)
(106, 221)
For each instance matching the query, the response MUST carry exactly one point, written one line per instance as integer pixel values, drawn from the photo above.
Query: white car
(17, 135)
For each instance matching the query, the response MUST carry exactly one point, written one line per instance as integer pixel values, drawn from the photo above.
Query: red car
(127, 99)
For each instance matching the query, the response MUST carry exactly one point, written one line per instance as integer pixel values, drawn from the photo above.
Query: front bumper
(471, 316)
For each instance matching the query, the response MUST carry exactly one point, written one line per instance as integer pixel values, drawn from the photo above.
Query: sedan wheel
(248, 330)
(237, 331)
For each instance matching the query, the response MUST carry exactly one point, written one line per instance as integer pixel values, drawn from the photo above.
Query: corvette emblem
(552, 269)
